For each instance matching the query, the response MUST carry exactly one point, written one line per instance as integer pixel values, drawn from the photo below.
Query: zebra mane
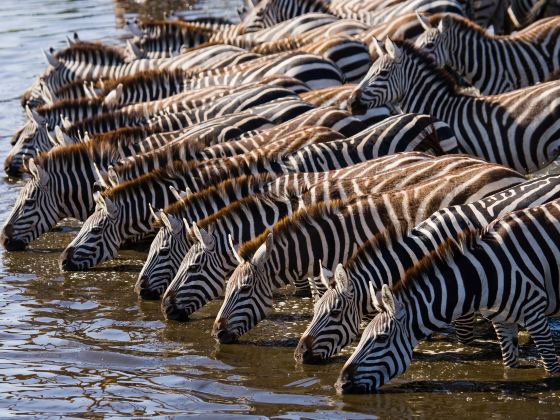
(123, 135)
(281, 45)
(165, 27)
(61, 157)
(442, 254)
(247, 204)
(90, 51)
(428, 61)
(60, 104)
(73, 86)
(174, 169)
(141, 79)
(234, 184)
(303, 217)
(108, 118)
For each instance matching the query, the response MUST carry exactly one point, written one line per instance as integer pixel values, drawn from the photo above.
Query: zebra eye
(336, 312)
(96, 229)
(245, 288)
(381, 338)
(163, 250)
(30, 201)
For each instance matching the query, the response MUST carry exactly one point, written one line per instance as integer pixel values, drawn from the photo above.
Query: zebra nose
(304, 351)
(9, 242)
(355, 105)
(11, 168)
(143, 289)
(346, 383)
(170, 309)
(66, 260)
(221, 333)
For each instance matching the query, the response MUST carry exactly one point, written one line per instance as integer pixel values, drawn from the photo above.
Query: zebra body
(289, 252)
(386, 258)
(508, 272)
(520, 129)
(195, 284)
(494, 64)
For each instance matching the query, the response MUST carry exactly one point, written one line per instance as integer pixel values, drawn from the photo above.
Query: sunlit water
(73, 344)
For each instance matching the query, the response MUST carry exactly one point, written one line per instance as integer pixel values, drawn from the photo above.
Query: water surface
(81, 343)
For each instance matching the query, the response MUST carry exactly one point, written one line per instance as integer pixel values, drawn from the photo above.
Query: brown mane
(142, 78)
(111, 53)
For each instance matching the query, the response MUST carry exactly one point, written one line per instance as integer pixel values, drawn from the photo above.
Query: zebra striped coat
(507, 271)
(201, 276)
(494, 64)
(161, 266)
(520, 129)
(289, 252)
(385, 258)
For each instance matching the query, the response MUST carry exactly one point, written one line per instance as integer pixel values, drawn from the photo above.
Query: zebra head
(434, 41)
(335, 323)
(98, 239)
(32, 138)
(384, 351)
(166, 252)
(383, 83)
(35, 211)
(248, 297)
(200, 277)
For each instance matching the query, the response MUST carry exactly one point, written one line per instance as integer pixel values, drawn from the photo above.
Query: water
(74, 344)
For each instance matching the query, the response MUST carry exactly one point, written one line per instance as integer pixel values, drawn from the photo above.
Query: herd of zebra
(373, 154)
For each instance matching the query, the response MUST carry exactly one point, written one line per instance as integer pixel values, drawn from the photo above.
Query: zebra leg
(464, 328)
(539, 330)
(507, 336)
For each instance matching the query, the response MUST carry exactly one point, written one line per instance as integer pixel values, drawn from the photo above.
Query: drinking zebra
(523, 132)
(507, 271)
(386, 257)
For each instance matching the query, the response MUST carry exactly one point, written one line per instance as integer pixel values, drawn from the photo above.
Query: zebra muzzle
(11, 167)
(222, 334)
(9, 242)
(304, 351)
(66, 261)
(143, 289)
(355, 105)
(170, 309)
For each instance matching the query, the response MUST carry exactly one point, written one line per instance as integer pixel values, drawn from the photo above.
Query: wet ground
(83, 344)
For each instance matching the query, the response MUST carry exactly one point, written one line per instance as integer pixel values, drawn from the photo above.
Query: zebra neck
(428, 90)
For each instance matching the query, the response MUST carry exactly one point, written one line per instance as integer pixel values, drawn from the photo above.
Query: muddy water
(82, 343)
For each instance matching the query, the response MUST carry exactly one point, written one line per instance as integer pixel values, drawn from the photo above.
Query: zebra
(65, 178)
(288, 252)
(160, 267)
(386, 257)
(523, 134)
(194, 285)
(121, 212)
(507, 271)
(494, 64)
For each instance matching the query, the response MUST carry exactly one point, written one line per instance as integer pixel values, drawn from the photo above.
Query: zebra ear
(170, 221)
(112, 176)
(134, 50)
(65, 121)
(315, 294)
(341, 280)
(61, 137)
(388, 300)
(134, 28)
(263, 252)
(424, 22)
(153, 213)
(99, 184)
(393, 51)
(325, 275)
(378, 47)
(179, 195)
(105, 203)
(202, 236)
(249, 5)
(444, 24)
(51, 59)
(34, 115)
(114, 97)
(234, 251)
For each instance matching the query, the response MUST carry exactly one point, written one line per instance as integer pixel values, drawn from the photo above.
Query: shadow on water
(73, 344)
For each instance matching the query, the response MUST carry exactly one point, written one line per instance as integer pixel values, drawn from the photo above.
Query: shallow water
(82, 343)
